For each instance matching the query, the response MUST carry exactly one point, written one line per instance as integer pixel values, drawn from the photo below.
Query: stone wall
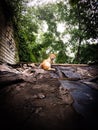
(8, 50)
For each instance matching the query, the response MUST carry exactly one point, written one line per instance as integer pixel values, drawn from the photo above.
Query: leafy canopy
(66, 28)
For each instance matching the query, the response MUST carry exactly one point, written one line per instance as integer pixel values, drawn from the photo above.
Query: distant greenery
(87, 15)
(38, 35)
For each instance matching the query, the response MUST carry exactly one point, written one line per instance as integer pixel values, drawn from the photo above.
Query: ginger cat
(46, 64)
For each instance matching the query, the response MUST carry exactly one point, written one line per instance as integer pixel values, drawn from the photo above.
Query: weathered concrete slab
(85, 98)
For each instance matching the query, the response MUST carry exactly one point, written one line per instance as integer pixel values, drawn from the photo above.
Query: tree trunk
(77, 58)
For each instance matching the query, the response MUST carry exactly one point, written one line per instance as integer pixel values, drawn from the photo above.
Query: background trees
(87, 15)
(66, 28)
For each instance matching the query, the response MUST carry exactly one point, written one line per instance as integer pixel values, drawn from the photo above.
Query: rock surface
(31, 98)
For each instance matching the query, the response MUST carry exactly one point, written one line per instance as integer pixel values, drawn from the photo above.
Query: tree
(87, 21)
(39, 34)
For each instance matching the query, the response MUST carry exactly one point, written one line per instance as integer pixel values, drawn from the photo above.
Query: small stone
(38, 110)
(41, 95)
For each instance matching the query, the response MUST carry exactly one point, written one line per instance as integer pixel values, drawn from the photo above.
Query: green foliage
(12, 9)
(87, 15)
(36, 42)
(89, 53)
(62, 57)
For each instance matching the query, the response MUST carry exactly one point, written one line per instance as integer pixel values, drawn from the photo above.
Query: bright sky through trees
(61, 26)
(41, 2)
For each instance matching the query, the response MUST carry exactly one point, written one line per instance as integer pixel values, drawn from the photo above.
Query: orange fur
(46, 64)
